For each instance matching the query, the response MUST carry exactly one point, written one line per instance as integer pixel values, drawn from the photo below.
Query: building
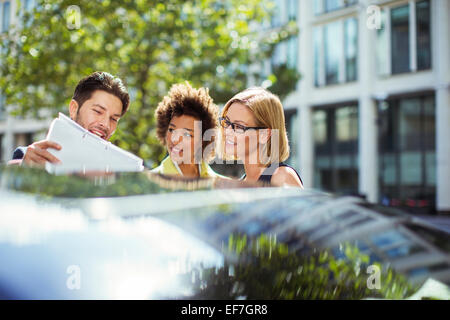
(16, 131)
(371, 113)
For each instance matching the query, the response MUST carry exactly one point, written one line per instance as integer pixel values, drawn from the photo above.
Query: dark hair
(101, 81)
(182, 99)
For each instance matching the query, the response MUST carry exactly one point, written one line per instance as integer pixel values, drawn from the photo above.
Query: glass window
(320, 126)
(351, 48)
(410, 168)
(389, 170)
(292, 131)
(2, 107)
(277, 56)
(292, 7)
(286, 51)
(346, 124)
(382, 47)
(400, 39)
(276, 16)
(423, 26)
(407, 153)
(1, 147)
(331, 5)
(336, 52)
(292, 43)
(318, 7)
(410, 123)
(29, 4)
(6, 15)
(429, 128)
(318, 40)
(292, 50)
(336, 149)
(333, 51)
(324, 6)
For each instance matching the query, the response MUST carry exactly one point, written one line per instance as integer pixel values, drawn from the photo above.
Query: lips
(175, 149)
(99, 132)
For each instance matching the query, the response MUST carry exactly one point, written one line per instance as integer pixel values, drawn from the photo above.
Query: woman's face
(242, 146)
(180, 138)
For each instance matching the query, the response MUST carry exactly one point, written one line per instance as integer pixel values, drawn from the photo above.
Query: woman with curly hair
(186, 125)
(253, 131)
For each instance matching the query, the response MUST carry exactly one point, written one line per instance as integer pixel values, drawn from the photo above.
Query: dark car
(147, 236)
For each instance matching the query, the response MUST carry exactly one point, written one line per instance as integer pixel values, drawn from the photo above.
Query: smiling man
(99, 101)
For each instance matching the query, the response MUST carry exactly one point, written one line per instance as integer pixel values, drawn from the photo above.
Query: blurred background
(365, 84)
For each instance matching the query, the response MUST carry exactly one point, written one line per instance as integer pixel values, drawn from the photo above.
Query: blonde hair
(268, 112)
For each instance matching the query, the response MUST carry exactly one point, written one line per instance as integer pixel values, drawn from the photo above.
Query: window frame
(320, 75)
(412, 36)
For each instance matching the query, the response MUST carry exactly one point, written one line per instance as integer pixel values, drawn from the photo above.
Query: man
(99, 101)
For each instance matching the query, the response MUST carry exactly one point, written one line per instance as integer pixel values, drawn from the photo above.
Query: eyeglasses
(237, 128)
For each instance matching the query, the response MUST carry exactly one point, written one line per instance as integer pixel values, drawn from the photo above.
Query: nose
(229, 132)
(104, 122)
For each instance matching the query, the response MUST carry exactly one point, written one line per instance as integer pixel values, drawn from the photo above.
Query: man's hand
(37, 154)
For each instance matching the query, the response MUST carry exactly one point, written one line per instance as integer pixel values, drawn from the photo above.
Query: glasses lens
(239, 129)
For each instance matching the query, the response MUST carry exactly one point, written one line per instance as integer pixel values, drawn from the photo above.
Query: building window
(276, 19)
(335, 132)
(333, 52)
(23, 139)
(6, 15)
(29, 5)
(336, 52)
(2, 107)
(325, 6)
(400, 39)
(1, 147)
(407, 152)
(423, 27)
(318, 57)
(351, 49)
(286, 52)
(382, 48)
(404, 42)
(292, 43)
(291, 119)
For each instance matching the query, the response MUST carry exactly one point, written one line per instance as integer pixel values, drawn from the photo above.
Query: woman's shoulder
(286, 175)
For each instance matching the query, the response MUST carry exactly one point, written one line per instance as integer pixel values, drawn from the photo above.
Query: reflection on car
(149, 236)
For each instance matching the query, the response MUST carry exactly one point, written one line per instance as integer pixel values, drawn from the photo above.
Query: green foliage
(149, 44)
(38, 181)
(265, 269)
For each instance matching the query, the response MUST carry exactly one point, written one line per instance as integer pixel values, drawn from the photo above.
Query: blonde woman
(183, 118)
(253, 131)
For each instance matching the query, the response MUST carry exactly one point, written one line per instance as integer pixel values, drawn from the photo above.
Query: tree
(149, 44)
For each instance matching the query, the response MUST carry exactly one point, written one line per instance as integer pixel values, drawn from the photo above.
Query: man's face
(100, 114)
